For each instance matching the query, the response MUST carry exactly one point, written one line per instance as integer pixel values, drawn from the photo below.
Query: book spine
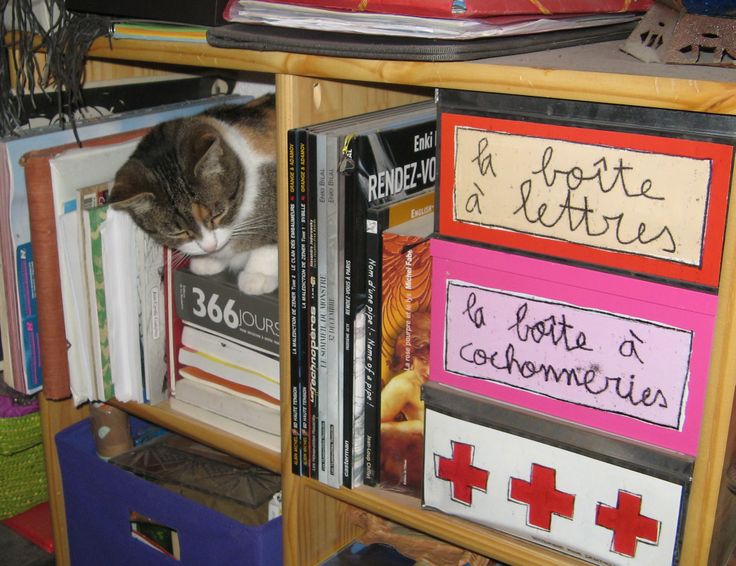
(323, 367)
(314, 400)
(375, 220)
(303, 318)
(96, 216)
(335, 365)
(294, 338)
(346, 306)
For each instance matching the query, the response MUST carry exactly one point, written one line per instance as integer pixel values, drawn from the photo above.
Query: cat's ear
(201, 148)
(126, 193)
(210, 161)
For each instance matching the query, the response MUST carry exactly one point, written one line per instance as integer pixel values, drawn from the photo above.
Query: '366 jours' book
(214, 303)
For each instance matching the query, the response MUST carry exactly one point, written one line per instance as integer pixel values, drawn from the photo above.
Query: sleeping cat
(206, 185)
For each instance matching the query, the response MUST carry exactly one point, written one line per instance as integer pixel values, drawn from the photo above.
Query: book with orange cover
(405, 312)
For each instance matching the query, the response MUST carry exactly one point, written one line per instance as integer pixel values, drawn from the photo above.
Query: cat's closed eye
(181, 235)
(217, 218)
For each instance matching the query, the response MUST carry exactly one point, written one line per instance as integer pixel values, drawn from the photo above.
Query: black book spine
(375, 221)
(294, 337)
(313, 303)
(303, 319)
(346, 225)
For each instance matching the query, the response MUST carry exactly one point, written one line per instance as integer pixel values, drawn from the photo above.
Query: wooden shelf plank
(164, 416)
(598, 72)
(408, 511)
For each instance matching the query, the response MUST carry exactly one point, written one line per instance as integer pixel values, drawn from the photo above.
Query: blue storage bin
(100, 497)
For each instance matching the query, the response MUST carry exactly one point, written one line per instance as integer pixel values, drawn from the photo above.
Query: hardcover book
(234, 352)
(229, 404)
(413, 217)
(229, 371)
(217, 381)
(406, 305)
(93, 212)
(132, 263)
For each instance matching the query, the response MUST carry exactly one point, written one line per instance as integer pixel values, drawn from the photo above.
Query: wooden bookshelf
(316, 88)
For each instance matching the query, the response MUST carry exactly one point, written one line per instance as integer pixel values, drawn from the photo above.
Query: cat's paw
(206, 265)
(261, 273)
(254, 283)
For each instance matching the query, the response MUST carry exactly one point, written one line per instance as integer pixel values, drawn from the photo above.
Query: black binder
(363, 46)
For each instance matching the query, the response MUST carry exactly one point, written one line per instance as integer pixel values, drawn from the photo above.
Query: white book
(119, 257)
(201, 376)
(229, 372)
(151, 316)
(82, 380)
(235, 407)
(71, 171)
(230, 351)
(265, 439)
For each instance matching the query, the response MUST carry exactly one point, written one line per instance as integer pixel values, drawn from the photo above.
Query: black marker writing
(627, 348)
(591, 380)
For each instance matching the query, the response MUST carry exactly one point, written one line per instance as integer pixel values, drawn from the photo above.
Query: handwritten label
(602, 360)
(612, 198)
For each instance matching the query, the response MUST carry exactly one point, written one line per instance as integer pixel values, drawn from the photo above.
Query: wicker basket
(22, 467)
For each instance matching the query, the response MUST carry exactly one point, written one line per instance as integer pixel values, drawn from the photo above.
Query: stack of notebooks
(227, 355)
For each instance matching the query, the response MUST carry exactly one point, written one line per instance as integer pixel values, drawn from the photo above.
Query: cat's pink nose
(208, 244)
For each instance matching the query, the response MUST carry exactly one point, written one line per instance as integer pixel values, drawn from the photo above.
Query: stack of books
(226, 357)
(48, 187)
(337, 171)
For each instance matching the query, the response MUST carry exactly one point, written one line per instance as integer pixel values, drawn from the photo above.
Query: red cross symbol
(627, 523)
(463, 475)
(542, 497)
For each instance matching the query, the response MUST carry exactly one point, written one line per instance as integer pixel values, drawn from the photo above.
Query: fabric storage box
(22, 463)
(598, 497)
(102, 500)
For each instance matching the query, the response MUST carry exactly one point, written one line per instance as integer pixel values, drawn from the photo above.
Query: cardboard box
(594, 496)
(107, 509)
(638, 190)
(619, 354)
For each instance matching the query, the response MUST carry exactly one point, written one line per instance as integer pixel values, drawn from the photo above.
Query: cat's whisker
(264, 223)
(179, 259)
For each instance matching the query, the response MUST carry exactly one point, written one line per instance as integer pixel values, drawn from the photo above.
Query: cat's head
(183, 185)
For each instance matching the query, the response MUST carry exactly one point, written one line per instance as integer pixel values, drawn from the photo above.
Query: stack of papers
(300, 17)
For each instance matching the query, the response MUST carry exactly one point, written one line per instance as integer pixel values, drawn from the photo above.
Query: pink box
(619, 354)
